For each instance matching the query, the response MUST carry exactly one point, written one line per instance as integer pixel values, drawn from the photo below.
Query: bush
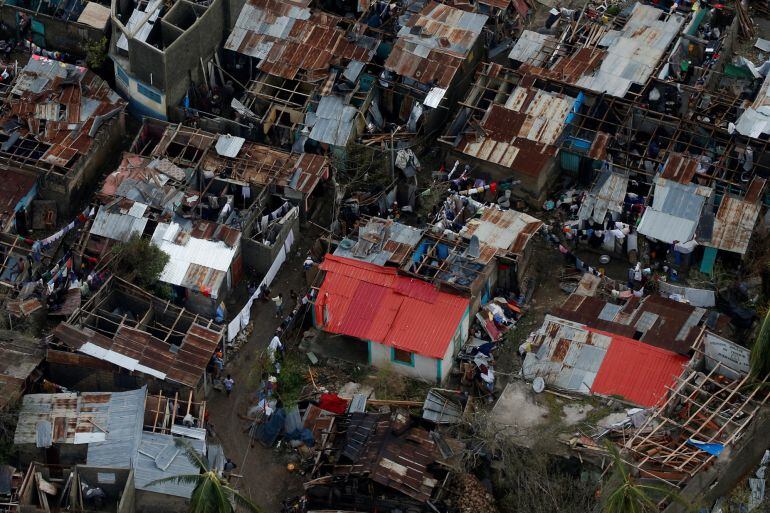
(139, 261)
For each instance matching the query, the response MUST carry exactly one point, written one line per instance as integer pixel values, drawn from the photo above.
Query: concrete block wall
(60, 35)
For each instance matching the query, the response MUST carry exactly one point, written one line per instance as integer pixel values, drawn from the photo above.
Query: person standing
(229, 382)
(278, 300)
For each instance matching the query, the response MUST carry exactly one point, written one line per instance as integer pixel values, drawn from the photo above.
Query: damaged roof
(69, 418)
(199, 255)
(522, 133)
(375, 303)
(21, 357)
(288, 37)
(655, 320)
(730, 229)
(255, 164)
(54, 113)
(575, 357)
(381, 241)
(622, 58)
(508, 231)
(433, 44)
(607, 195)
(675, 211)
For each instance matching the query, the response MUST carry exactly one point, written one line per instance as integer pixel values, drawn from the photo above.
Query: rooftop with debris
(53, 114)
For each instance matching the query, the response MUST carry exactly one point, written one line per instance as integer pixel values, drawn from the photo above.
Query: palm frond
(193, 455)
(183, 479)
(244, 502)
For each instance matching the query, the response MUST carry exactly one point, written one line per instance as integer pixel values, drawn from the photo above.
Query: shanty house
(513, 133)
(58, 428)
(435, 52)
(577, 358)
(123, 337)
(204, 261)
(394, 320)
(61, 122)
(312, 72)
(508, 232)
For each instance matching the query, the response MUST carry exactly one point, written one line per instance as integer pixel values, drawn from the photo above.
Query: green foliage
(291, 380)
(388, 384)
(139, 261)
(628, 495)
(760, 351)
(212, 494)
(96, 53)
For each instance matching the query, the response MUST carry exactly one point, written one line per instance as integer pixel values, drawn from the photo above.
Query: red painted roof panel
(637, 371)
(375, 303)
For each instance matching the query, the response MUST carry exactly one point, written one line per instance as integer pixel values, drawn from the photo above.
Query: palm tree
(760, 351)
(628, 495)
(212, 494)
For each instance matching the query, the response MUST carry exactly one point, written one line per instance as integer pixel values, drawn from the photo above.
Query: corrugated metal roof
(441, 408)
(508, 231)
(733, 225)
(574, 357)
(381, 241)
(288, 37)
(334, 121)
(522, 132)
(532, 48)
(125, 418)
(638, 372)
(374, 303)
(77, 419)
(432, 45)
(117, 226)
(205, 253)
(675, 212)
(161, 456)
(607, 195)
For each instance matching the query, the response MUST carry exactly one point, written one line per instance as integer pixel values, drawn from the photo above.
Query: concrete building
(59, 26)
(389, 319)
(61, 123)
(126, 331)
(160, 51)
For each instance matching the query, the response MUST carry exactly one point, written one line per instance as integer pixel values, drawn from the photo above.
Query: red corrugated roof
(637, 371)
(372, 302)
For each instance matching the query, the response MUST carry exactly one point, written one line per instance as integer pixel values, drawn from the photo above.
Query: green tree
(628, 495)
(212, 494)
(760, 351)
(96, 53)
(139, 261)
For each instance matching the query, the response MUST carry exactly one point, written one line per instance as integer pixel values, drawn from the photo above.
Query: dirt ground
(265, 478)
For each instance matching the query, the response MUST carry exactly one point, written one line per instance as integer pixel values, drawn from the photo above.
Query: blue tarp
(714, 449)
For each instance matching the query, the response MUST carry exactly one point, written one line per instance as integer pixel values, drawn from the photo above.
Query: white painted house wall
(424, 368)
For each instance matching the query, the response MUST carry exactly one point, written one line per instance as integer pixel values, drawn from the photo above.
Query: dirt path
(265, 478)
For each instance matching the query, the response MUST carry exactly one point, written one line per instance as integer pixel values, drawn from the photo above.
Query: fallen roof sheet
(117, 225)
(375, 303)
(508, 231)
(532, 48)
(606, 196)
(159, 456)
(440, 407)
